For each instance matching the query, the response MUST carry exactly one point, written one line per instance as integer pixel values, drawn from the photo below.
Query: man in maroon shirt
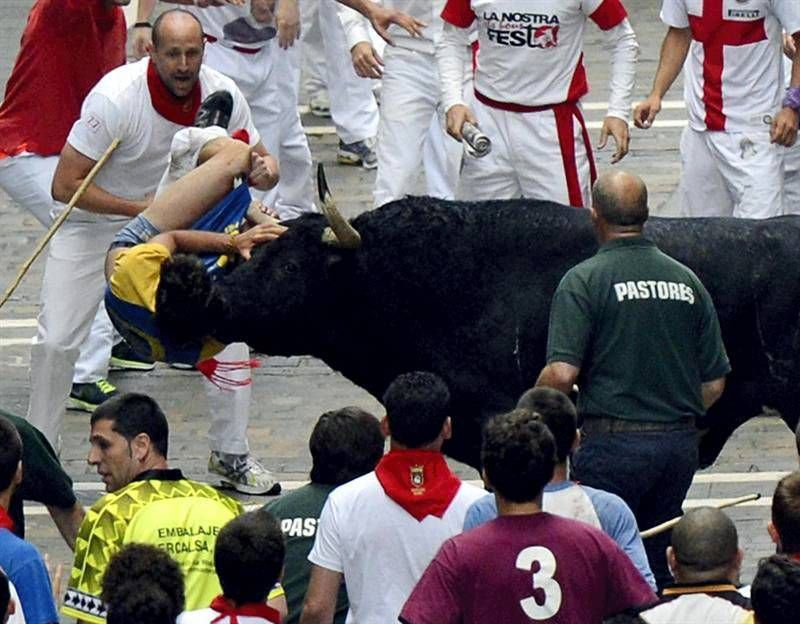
(526, 564)
(66, 47)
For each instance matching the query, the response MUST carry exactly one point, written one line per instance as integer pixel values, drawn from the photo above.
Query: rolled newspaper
(478, 144)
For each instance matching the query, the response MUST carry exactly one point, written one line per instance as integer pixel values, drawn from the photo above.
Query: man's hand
(646, 111)
(214, 3)
(789, 46)
(255, 236)
(784, 127)
(456, 116)
(366, 60)
(287, 19)
(618, 129)
(263, 172)
(141, 41)
(382, 17)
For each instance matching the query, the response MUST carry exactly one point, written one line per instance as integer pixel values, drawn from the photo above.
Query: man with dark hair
(18, 558)
(784, 527)
(705, 560)
(378, 532)
(637, 331)
(143, 584)
(344, 444)
(526, 564)
(564, 497)
(776, 590)
(248, 558)
(147, 502)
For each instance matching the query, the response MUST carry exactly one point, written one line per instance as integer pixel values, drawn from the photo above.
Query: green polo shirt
(643, 331)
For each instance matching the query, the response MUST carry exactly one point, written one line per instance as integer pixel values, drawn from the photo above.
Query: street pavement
(290, 393)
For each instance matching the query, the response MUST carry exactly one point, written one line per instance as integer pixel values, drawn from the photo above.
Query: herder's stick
(59, 220)
(666, 526)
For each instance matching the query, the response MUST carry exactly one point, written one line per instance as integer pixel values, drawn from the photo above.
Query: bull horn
(340, 233)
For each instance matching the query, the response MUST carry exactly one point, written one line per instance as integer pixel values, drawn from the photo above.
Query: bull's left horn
(340, 233)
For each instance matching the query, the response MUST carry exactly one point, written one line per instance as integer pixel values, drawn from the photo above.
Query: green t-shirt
(643, 331)
(298, 512)
(43, 478)
(163, 509)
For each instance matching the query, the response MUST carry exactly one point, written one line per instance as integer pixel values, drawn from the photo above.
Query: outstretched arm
(382, 17)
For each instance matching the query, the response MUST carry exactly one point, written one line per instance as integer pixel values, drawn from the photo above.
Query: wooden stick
(59, 220)
(666, 526)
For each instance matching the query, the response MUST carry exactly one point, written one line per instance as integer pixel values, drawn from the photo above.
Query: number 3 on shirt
(542, 580)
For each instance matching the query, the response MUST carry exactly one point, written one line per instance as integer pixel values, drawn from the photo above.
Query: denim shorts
(139, 230)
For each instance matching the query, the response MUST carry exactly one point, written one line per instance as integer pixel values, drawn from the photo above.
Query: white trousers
(27, 179)
(726, 174)
(353, 108)
(268, 81)
(230, 408)
(411, 134)
(527, 158)
(72, 289)
(791, 180)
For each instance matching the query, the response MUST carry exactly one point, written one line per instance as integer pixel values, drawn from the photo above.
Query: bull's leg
(739, 403)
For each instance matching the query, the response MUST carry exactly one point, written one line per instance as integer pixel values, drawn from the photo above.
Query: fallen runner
(148, 272)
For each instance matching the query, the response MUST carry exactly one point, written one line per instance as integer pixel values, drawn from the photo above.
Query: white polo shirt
(381, 549)
(733, 74)
(120, 105)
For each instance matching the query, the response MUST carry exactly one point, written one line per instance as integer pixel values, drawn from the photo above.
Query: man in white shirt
(411, 111)
(732, 150)
(529, 81)
(380, 531)
(144, 104)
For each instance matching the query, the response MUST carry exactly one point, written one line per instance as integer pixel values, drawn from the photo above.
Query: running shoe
(216, 110)
(243, 473)
(358, 153)
(123, 358)
(87, 396)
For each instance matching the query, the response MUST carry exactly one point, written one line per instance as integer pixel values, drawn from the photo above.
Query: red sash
(420, 482)
(177, 110)
(5, 520)
(225, 608)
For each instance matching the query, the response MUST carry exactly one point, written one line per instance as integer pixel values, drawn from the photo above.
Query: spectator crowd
(212, 157)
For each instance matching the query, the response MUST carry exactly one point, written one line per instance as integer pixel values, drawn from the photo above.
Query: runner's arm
(673, 55)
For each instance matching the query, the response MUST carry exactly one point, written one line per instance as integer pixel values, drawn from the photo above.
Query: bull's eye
(289, 268)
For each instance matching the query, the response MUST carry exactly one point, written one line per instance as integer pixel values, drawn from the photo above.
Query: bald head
(177, 24)
(705, 544)
(620, 199)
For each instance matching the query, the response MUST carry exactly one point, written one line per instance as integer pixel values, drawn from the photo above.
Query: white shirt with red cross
(531, 53)
(733, 77)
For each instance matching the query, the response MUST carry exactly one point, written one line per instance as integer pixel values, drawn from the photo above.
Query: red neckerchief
(225, 607)
(5, 520)
(177, 110)
(420, 482)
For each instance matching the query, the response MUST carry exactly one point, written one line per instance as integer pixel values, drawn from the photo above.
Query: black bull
(464, 290)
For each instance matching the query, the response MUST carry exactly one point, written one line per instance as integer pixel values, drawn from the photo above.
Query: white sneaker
(320, 105)
(242, 473)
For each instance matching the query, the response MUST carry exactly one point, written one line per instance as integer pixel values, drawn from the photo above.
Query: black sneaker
(123, 358)
(87, 396)
(216, 110)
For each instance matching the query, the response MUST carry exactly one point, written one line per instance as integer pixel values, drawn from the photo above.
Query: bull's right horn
(340, 233)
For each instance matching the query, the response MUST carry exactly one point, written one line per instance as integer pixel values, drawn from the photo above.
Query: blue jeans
(137, 231)
(650, 470)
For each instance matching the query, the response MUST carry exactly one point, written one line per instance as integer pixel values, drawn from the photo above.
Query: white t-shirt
(205, 616)
(235, 26)
(381, 549)
(696, 608)
(733, 86)
(532, 53)
(120, 106)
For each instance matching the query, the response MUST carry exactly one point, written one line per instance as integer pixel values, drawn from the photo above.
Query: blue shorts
(139, 230)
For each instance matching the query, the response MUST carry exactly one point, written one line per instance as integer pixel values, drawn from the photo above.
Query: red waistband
(518, 108)
(213, 39)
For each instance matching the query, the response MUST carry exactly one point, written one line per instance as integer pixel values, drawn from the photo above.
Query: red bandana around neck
(177, 110)
(226, 608)
(5, 520)
(420, 482)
